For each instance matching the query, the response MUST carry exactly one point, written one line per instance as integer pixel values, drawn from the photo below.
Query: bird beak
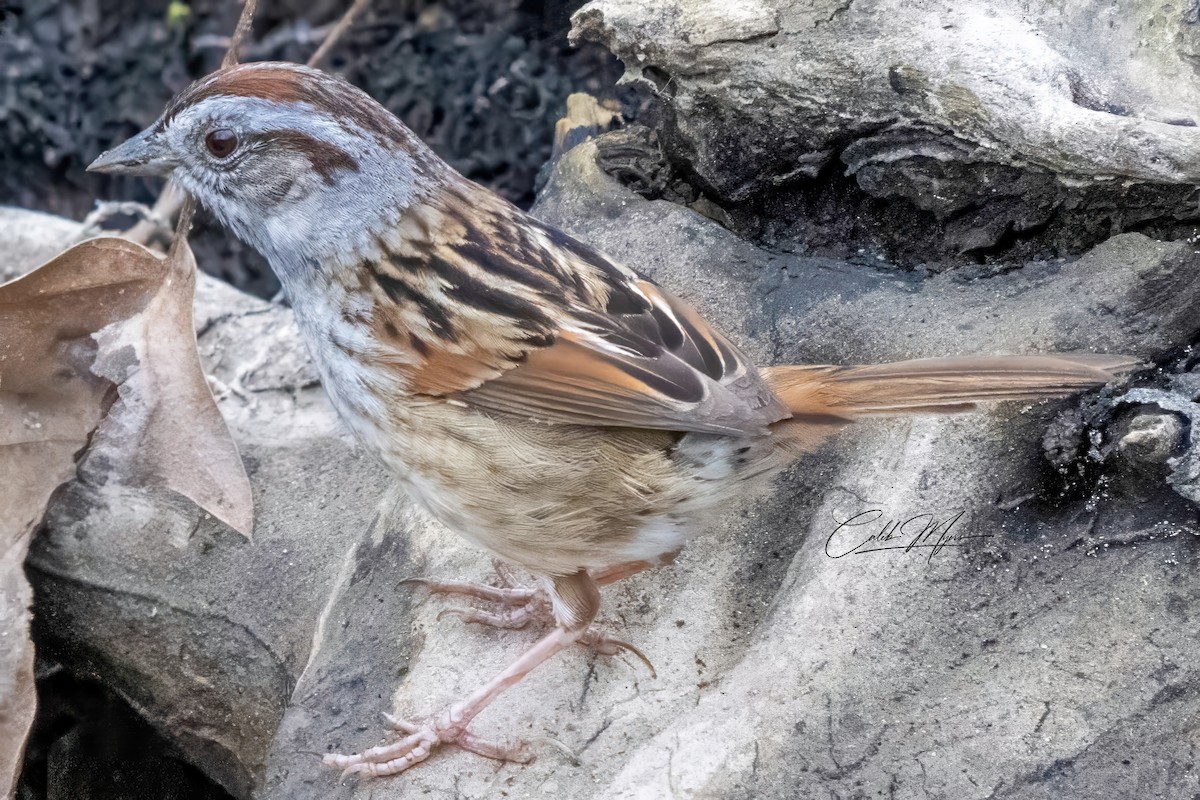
(144, 154)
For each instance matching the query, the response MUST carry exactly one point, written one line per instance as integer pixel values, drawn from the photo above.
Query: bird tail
(937, 385)
(824, 398)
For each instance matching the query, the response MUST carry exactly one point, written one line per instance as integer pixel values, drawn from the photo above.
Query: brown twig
(239, 34)
(186, 211)
(302, 35)
(342, 25)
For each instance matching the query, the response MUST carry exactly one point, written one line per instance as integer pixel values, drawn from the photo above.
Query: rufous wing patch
(442, 372)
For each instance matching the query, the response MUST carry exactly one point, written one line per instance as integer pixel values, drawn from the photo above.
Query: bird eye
(221, 142)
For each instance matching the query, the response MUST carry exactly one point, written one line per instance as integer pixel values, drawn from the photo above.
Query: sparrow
(538, 398)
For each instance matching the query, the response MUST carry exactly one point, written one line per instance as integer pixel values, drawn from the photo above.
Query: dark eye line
(326, 157)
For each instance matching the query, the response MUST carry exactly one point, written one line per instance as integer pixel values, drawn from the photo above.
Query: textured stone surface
(995, 117)
(1051, 656)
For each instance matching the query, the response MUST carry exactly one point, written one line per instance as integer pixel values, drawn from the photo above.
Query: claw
(610, 647)
(560, 747)
(517, 751)
(402, 725)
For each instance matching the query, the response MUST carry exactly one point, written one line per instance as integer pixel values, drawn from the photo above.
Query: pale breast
(555, 498)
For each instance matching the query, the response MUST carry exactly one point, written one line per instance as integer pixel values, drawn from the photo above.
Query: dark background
(482, 81)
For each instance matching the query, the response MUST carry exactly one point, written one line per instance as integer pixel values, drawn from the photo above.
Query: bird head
(298, 163)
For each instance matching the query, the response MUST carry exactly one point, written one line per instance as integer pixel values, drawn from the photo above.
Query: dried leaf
(98, 345)
(165, 429)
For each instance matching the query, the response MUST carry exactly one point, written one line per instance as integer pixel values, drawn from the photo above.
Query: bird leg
(519, 604)
(619, 572)
(575, 599)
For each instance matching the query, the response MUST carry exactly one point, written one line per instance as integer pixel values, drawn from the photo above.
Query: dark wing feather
(621, 351)
(661, 368)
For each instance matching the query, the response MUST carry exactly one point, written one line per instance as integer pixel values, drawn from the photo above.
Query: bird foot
(419, 742)
(520, 605)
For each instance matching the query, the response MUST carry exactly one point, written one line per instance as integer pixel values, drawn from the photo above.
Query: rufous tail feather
(824, 398)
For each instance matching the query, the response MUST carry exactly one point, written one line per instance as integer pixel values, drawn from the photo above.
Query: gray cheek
(204, 189)
(278, 191)
(275, 181)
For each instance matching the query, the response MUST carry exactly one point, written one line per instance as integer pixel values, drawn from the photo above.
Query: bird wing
(505, 314)
(661, 366)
